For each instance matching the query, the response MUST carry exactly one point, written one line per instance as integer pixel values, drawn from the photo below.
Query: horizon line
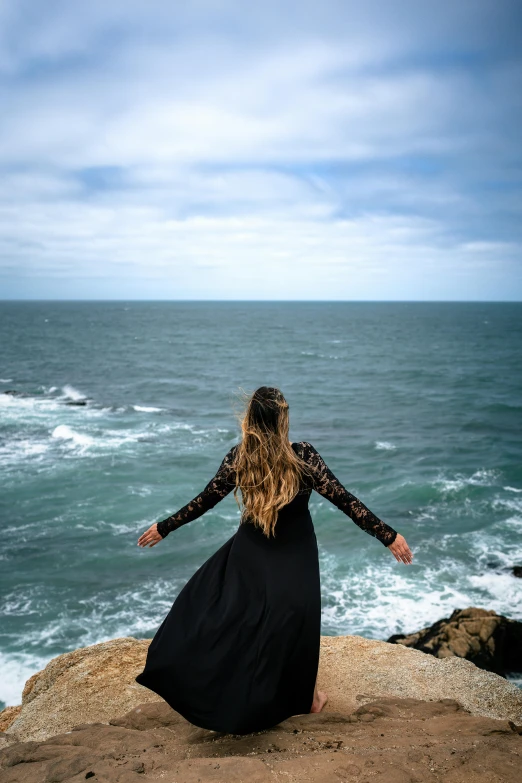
(273, 301)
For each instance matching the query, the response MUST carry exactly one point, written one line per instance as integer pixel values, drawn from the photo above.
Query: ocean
(415, 406)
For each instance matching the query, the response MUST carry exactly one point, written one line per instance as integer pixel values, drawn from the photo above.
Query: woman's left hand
(150, 537)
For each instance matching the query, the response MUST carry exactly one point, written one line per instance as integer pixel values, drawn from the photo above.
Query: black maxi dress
(238, 651)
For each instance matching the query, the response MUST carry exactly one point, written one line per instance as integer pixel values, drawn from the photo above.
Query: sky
(331, 150)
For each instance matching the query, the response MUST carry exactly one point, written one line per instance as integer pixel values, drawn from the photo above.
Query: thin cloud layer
(304, 152)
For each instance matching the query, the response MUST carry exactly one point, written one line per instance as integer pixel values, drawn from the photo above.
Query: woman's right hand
(150, 537)
(400, 550)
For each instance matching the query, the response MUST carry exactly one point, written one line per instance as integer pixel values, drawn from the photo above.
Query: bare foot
(320, 700)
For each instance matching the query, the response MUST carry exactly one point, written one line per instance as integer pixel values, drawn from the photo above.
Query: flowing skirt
(238, 651)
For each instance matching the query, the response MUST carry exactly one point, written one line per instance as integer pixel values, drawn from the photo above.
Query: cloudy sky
(276, 150)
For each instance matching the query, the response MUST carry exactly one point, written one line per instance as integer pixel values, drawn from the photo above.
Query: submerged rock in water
(489, 640)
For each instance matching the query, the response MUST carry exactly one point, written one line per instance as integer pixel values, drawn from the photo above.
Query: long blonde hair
(268, 471)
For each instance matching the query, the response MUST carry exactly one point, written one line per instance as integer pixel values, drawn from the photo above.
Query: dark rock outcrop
(489, 640)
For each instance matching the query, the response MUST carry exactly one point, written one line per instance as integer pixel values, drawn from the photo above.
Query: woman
(239, 650)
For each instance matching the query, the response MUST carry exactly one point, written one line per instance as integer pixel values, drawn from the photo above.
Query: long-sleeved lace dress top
(321, 479)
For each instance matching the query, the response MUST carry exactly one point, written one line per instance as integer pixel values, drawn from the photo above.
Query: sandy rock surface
(96, 684)
(8, 715)
(393, 740)
(353, 670)
(93, 683)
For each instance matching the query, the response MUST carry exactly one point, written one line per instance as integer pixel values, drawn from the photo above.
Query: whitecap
(18, 605)
(20, 406)
(385, 445)
(64, 432)
(19, 450)
(512, 504)
(502, 590)
(71, 393)
(481, 478)
(512, 489)
(146, 409)
(6, 380)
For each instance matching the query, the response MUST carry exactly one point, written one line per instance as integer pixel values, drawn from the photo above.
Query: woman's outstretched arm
(219, 487)
(327, 485)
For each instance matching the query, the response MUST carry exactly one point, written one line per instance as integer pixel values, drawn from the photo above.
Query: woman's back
(319, 478)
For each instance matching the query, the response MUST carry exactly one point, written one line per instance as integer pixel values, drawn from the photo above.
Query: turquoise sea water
(416, 407)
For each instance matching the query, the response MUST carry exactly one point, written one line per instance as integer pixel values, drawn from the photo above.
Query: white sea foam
(513, 523)
(18, 407)
(141, 491)
(481, 478)
(23, 449)
(515, 678)
(378, 599)
(375, 599)
(512, 504)
(64, 432)
(489, 544)
(15, 452)
(19, 604)
(5, 380)
(384, 445)
(136, 612)
(111, 438)
(502, 591)
(122, 528)
(16, 669)
(7, 399)
(512, 489)
(72, 394)
(146, 409)
(75, 429)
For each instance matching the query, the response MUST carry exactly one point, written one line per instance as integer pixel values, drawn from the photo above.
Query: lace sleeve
(327, 485)
(219, 487)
